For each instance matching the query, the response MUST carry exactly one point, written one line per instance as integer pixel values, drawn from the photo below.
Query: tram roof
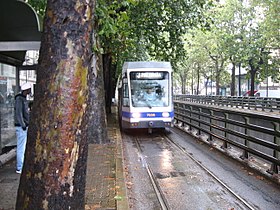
(146, 64)
(20, 31)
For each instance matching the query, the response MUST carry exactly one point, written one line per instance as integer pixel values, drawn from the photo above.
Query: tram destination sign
(149, 75)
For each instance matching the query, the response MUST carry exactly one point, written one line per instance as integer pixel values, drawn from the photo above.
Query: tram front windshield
(149, 89)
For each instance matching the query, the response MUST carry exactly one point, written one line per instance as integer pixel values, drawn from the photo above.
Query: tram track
(171, 171)
(183, 150)
(159, 194)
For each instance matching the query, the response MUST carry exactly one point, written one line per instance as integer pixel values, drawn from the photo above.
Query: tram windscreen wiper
(149, 105)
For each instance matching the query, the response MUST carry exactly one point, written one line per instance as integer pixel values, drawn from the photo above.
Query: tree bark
(98, 132)
(218, 69)
(198, 80)
(239, 79)
(107, 67)
(253, 72)
(192, 83)
(217, 77)
(232, 85)
(183, 83)
(54, 171)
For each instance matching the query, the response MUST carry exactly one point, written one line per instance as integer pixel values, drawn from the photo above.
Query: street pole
(267, 79)
(211, 81)
(239, 80)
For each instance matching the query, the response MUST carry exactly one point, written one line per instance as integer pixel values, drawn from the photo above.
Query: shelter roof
(20, 31)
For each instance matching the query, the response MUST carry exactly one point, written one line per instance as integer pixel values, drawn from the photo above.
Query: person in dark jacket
(21, 123)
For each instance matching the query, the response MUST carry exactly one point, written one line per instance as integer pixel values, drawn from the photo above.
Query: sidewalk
(105, 185)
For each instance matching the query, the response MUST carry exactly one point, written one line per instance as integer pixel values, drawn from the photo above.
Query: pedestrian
(21, 123)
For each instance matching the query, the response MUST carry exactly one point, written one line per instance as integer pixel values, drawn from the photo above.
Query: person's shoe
(18, 171)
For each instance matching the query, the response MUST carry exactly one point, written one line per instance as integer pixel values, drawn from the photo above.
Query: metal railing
(254, 103)
(253, 134)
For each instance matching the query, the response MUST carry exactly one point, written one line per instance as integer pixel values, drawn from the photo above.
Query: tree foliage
(149, 29)
(39, 6)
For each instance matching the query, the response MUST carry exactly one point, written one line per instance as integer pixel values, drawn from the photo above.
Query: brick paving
(105, 183)
(101, 177)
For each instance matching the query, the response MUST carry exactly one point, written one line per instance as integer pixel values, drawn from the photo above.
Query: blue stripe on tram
(147, 114)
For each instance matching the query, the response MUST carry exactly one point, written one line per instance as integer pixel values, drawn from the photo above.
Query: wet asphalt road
(184, 184)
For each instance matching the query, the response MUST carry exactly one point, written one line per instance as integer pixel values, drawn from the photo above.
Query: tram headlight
(165, 114)
(136, 115)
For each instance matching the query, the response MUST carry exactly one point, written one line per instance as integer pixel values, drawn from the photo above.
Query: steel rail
(160, 195)
(210, 173)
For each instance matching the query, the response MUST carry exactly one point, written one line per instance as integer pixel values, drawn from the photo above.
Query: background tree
(229, 25)
(54, 174)
(181, 76)
(241, 33)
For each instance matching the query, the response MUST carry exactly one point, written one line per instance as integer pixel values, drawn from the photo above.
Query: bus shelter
(20, 32)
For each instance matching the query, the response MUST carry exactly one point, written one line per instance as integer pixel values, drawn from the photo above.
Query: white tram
(145, 95)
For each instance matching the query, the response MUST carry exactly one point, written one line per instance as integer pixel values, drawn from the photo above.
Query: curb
(4, 158)
(121, 192)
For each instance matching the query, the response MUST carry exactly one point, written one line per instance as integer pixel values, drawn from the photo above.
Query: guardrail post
(231, 102)
(199, 114)
(190, 125)
(225, 145)
(274, 167)
(245, 154)
(210, 129)
(184, 114)
(271, 105)
(249, 102)
(256, 104)
(263, 104)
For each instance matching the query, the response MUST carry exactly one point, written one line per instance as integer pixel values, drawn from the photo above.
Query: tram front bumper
(147, 124)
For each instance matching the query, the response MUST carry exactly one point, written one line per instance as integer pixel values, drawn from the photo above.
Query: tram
(145, 95)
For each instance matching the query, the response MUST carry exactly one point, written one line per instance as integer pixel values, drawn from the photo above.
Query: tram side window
(125, 95)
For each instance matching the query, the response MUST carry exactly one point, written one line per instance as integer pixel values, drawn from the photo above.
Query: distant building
(8, 76)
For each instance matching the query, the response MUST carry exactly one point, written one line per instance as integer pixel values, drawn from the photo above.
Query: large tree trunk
(253, 71)
(198, 80)
(239, 79)
(252, 84)
(114, 80)
(54, 171)
(98, 132)
(217, 79)
(107, 71)
(232, 85)
(183, 83)
(217, 71)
